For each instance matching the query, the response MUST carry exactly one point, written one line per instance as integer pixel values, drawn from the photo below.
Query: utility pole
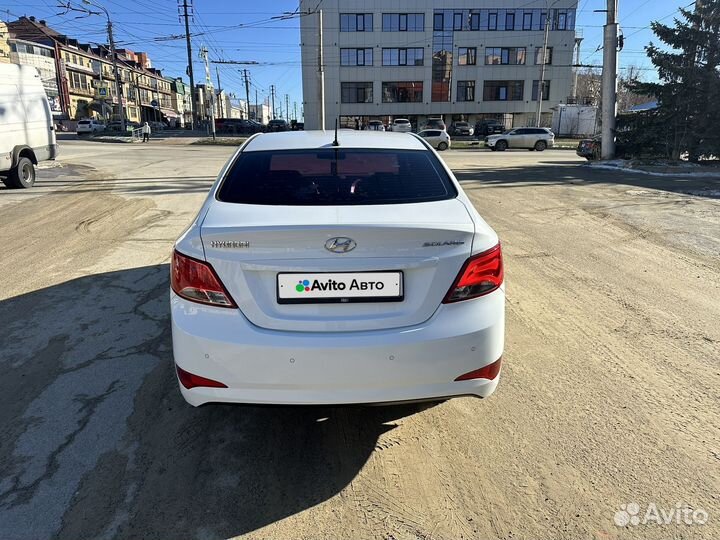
(578, 41)
(287, 107)
(187, 5)
(256, 108)
(295, 110)
(246, 77)
(272, 97)
(543, 57)
(609, 81)
(220, 102)
(118, 86)
(321, 72)
(209, 86)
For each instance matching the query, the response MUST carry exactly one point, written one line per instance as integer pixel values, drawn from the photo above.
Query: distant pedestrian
(357, 124)
(146, 132)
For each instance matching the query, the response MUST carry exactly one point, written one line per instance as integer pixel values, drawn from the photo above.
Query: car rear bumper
(308, 368)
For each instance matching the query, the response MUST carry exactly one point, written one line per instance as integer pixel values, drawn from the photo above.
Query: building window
(466, 91)
(503, 91)
(539, 55)
(504, 56)
(402, 92)
(438, 22)
(467, 56)
(561, 20)
(403, 22)
(527, 20)
(545, 90)
(356, 57)
(474, 21)
(492, 21)
(510, 20)
(356, 22)
(356, 92)
(457, 21)
(403, 57)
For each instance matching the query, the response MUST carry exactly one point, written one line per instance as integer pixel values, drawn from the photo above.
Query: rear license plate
(339, 287)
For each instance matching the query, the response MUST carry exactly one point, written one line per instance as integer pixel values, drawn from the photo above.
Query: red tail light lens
(197, 281)
(481, 274)
(190, 380)
(486, 372)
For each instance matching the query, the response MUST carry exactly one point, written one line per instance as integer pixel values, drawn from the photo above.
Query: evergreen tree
(689, 80)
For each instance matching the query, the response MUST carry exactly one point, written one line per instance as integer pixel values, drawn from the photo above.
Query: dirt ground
(610, 391)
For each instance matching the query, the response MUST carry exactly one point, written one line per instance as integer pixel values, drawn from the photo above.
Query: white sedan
(437, 138)
(326, 269)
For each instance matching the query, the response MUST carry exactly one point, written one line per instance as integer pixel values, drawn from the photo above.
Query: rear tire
(442, 146)
(22, 176)
(501, 146)
(540, 146)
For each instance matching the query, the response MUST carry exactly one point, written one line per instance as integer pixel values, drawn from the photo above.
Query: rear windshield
(330, 177)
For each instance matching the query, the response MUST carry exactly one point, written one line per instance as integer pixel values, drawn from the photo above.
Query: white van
(27, 134)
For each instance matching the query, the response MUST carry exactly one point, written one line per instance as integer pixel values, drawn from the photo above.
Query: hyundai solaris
(342, 268)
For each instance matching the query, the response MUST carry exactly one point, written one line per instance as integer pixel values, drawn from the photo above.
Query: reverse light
(190, 380)
(481, 274)
(197, 281)
(488, 372)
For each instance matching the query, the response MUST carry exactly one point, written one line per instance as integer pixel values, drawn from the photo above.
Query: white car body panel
(271, 352)
(26, 120)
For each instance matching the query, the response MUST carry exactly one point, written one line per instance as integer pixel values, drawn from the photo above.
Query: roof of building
(298, 140)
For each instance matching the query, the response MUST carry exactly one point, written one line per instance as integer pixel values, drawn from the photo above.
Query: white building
(456, 59)
(260, 113)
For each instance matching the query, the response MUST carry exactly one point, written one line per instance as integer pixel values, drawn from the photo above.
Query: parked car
(589, 148)
(237, 126)
(356, 299)
(375, 125)
(278, 125)
(462, 129)
(437, 138)
(435, 123)
(157, 126)
(401, 125)
(89, 126)
(531, 138)
(27, 133)
(116, 125)
(484, 128)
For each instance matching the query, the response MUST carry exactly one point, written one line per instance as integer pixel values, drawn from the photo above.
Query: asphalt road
(610, 391)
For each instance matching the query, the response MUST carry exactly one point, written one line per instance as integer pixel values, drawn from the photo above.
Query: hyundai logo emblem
(340, 244)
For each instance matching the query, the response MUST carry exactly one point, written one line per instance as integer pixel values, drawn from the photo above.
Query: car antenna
(335, 142)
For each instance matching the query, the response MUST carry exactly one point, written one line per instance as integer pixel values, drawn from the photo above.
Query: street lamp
(118, 87)
(541, 82)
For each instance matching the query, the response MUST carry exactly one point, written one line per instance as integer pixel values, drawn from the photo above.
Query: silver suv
(532, 138)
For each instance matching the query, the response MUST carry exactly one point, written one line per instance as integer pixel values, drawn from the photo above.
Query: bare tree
(626, 96)
(589, 86)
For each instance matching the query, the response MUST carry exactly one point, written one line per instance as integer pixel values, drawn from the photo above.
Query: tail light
(488, 372)
(190, 380)
(481, 274)
(197, 281)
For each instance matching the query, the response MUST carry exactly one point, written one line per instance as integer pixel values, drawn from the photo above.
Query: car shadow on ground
(96, 441)
(548, 173)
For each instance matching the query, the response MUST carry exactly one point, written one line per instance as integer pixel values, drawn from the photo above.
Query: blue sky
(275, 43)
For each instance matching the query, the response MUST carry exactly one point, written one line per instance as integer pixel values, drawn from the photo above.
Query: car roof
(306, 140)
